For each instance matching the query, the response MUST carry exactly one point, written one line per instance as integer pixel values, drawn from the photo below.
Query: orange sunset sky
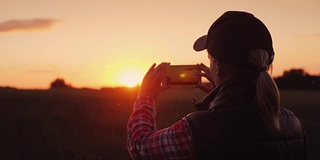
(103, 43)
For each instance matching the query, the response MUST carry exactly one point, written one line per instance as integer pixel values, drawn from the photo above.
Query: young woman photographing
(240, 118)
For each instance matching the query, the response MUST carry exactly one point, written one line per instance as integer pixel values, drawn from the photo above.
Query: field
(71, 124)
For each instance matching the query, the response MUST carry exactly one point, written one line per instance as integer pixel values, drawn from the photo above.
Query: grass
(91, 124)
(306, 105)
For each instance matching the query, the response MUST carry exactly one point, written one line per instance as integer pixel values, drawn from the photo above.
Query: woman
(240, 119)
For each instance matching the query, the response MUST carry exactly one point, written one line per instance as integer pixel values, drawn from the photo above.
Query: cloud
(316, 35)
(26, 25)
(309, 36)
(41, 71)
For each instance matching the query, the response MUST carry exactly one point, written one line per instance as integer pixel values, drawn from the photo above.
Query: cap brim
(200, 43)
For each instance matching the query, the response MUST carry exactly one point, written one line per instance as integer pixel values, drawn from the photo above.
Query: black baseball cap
(233, 36)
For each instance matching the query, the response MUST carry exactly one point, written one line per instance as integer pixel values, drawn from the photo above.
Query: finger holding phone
(204, 71)
(152, 84)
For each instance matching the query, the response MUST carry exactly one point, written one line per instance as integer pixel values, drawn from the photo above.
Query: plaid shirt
(146, 142)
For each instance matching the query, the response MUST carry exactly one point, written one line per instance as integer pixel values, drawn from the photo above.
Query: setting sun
(127, 73)
(129, 76)
(131, 79)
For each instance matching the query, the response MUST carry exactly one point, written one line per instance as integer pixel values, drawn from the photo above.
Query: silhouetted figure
(240, 118)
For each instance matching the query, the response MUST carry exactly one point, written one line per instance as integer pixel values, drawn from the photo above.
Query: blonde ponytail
(267, 100)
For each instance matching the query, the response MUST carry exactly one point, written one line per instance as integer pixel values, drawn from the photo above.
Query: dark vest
(231, 129)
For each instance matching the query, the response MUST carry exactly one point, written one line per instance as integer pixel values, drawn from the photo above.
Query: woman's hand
(152, 82)
(205, 72)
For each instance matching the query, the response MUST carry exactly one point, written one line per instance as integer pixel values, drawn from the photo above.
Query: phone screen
(182, 75)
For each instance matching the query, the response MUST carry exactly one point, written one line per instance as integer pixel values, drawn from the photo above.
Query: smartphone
(182, 75)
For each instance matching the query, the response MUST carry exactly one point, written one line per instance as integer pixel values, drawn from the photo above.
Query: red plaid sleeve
(144, 141)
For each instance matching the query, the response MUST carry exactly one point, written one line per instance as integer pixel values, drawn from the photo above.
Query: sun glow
(130, 79)
(125, 73)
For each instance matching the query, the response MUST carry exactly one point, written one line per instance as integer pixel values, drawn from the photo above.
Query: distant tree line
(294, 79)
(297, 79)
